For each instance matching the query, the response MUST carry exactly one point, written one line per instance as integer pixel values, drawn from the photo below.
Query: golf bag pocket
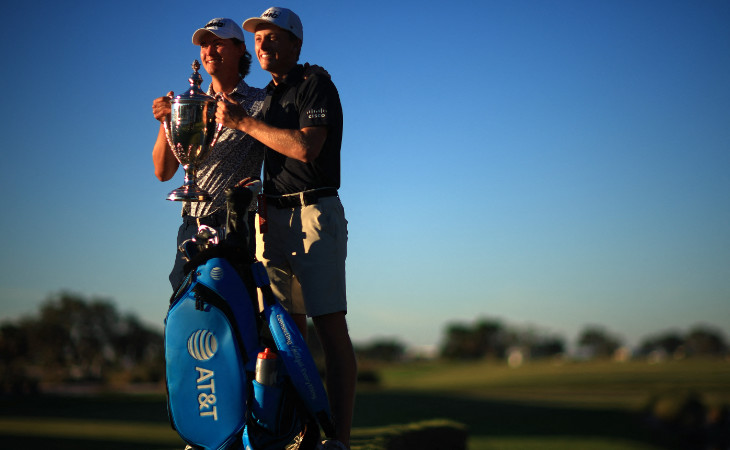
(275, 420)
(266, 405)
(208, 330)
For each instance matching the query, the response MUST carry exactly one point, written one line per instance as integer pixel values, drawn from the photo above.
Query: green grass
(566, 406)
(557, 443)
(560, 405)
(591, 384)
(94, 430)
(108, 421)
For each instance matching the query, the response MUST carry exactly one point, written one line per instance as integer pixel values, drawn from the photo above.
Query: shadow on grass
(150, 408)
(484, 418)
(38, 443)
(493, 418)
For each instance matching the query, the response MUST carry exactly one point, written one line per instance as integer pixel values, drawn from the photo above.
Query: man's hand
(161, 108)
(229, 113)
(314, 69)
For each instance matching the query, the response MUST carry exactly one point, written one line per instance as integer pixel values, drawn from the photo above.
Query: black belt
(300, 199)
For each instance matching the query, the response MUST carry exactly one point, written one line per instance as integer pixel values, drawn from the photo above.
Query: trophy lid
(194, 93)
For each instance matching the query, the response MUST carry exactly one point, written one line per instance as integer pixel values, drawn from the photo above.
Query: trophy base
(186, 194)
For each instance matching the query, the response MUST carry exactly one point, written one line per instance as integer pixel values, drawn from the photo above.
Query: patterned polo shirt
(235, 156)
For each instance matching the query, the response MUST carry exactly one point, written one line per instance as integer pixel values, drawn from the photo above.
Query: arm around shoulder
(303, 145)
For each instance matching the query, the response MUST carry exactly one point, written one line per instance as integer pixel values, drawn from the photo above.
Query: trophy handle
(216, 135)
(168, 128)
(166, 125)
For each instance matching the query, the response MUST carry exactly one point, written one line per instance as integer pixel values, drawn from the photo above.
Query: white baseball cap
(281, 17)
(221, 27)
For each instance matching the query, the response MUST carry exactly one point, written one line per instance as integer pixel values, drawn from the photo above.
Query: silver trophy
(191, 132)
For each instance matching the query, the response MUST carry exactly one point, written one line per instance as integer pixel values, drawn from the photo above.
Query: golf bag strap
(261, 279)
(259, 274)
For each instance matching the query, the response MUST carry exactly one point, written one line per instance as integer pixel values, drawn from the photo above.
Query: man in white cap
(302, 238)
(235, 156)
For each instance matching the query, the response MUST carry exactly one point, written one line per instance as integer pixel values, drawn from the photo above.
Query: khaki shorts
(304, 251)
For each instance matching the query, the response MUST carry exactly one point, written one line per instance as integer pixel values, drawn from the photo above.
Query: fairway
(590, 384)
(596, 405)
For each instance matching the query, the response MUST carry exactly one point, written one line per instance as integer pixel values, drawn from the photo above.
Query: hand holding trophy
(191, 132)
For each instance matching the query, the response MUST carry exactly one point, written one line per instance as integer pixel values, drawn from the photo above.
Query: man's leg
(177, 274)
(341, 370)
(301, 321)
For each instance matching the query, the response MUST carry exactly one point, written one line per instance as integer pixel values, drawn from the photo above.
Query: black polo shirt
(296, 103)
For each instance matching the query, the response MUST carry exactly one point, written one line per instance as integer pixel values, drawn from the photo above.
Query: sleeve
(318, 100)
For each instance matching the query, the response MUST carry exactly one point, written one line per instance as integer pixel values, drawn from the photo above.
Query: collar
(241, 88)
(293, 77)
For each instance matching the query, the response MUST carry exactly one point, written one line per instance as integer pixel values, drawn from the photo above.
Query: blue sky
(552, 164)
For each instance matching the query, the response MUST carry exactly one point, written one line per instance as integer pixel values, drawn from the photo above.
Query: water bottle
(266, 367)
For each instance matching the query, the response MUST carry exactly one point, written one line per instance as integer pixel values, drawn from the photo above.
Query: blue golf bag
(215, 331)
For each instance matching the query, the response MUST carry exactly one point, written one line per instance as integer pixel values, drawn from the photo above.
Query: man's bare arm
(303, 145)
(162, 157)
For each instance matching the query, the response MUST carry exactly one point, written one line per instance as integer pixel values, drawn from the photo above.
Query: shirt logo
(320, 113)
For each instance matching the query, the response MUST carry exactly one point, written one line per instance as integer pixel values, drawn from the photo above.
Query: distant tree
(490, 338)
(705, 341)
(485, 338)
(533, 343)
(139, 350)
(15, 375)
(547, 346)
(457, 342)
(77, 339)
(667, 343)
(13, 342)
(388, 350)
(598, 342)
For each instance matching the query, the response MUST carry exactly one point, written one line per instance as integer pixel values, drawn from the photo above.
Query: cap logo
(214, 24)
(272, 14)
